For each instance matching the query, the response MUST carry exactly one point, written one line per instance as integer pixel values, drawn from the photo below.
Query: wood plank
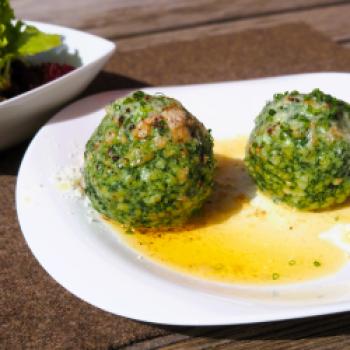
(115, 19)
(330, 333)
(332, 21)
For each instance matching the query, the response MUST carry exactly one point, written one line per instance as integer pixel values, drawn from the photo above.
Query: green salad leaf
(32, 41)
(18, 40)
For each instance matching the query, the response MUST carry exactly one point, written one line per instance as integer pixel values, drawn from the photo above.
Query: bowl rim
(109, 51)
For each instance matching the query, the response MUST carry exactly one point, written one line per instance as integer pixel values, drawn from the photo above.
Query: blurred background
(138, 24)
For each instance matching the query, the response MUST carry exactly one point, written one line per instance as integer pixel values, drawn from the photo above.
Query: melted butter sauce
(241, 236)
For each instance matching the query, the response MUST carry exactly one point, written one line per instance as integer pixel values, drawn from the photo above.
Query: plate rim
(321, 309)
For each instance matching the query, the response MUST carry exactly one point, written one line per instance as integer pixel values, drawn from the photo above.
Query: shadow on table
(311, 328)
(107, 87)
(10, 159)
(110, 81)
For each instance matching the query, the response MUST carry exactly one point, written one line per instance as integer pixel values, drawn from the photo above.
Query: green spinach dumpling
(149, 164)
(299, 150)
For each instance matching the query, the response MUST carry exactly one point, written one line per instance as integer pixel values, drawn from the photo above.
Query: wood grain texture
(112, 18)
(327, 332)
(138, 24)
(332, 21)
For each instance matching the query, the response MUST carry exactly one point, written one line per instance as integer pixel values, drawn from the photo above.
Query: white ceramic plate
(22, 115)
(91, 262)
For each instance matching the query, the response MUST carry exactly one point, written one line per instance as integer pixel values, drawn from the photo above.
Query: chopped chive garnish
(317, 263)
(291, 262)
(275, 276)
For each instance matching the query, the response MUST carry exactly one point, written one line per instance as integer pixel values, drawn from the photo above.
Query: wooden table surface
(137, 24)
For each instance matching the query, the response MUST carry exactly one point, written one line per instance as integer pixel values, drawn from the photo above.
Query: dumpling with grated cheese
(150, 163)
(299, 150)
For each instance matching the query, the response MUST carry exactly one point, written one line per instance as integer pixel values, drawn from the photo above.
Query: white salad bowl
(22, 115)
